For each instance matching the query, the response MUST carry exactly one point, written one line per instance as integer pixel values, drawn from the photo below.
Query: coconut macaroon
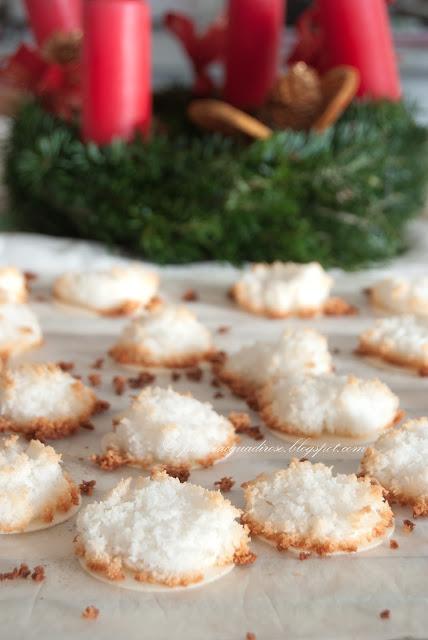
(33, 487)
(168, 337)
(13, 286)
(19, 330)
(286, 289)
(308, 509)
(120, 290)
(401, 340)
(248, 369)
(398, 460)
(161, 531)
(44, 401)
(402, 295)
(166, 429)
(313, 406)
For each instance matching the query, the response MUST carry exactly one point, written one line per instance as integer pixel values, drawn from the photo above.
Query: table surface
(279, 596)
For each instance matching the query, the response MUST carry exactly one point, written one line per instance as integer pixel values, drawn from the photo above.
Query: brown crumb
(423, 372)
(230, 294)
(224, 484)
(88, 426)
(195, 374)
(224, 328)
(77, 376)
(303, 459)
(367, 291)
(40, 297)
(38, 574)
(250, 636)
(90, 613)
(102, 405)
(335, 351)
(218, 395)
(95, 379)
(181, 473)
(241, 421)
(30, 276)
(190, 296)
(393, 544)
(215, 382)
(143, 379)
(175, 376)
(304, 555)
(119, 385)
(65, 366)
(98, 363)
(218, 357)
(18, 572)
(385, 614)
(248, 558)
(408, 526)
(87, 487)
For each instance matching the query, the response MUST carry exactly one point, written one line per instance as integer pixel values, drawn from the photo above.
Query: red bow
(26, 72)
(203, 49)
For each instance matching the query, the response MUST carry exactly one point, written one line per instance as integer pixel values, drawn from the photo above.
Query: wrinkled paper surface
(279, 596)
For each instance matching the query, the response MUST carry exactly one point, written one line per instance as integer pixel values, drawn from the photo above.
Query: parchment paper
(277, 598)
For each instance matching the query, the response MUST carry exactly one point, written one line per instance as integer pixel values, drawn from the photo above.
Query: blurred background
(409, 17)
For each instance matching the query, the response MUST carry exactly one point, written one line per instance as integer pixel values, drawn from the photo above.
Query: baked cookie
(308, 509)
(315, 406)
(43, 401)
(13, 286)
(33, 487)
(168, 337)
(401, 295)
(248, 369)
(166, 429)
(283, 289)
(161, 531)
(398, 460)
(19, 330)
(401, 340)
(118, 291)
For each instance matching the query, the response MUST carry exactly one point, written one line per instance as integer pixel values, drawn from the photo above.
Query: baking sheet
(279, 596)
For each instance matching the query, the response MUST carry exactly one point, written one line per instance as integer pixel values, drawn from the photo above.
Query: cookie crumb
(224, 484)
(218, 395)
(119, 385)
(17, 572)
(65, 366)
(95, 379)
(215, 382)
(190, 296)
(224, 328)
(90, 613)
(195, 374)
(393, 544)
(408, 526)
(385, 614)
(38, 574)
(30, 276)
(87, 487)
(248, 558)
(181, 473)
(304, 555)
(97, 364)
(241, 421)
(175, 376)
(102, 405)
(88, 426)
(250, 636)
(144, 379)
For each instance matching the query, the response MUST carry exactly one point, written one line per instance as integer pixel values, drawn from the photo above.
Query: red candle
(252, 51)
(48, 17)
(116, 69)
(357, 33)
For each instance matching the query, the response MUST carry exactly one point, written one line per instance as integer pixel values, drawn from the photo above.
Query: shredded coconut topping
(339, 405)
(284, 287)
(108, 289)
(402, 295)
(32, 483)
(167, 427)
(162, 528)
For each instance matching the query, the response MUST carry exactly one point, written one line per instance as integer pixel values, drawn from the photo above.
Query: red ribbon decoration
(202, 49)
(57, 86)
